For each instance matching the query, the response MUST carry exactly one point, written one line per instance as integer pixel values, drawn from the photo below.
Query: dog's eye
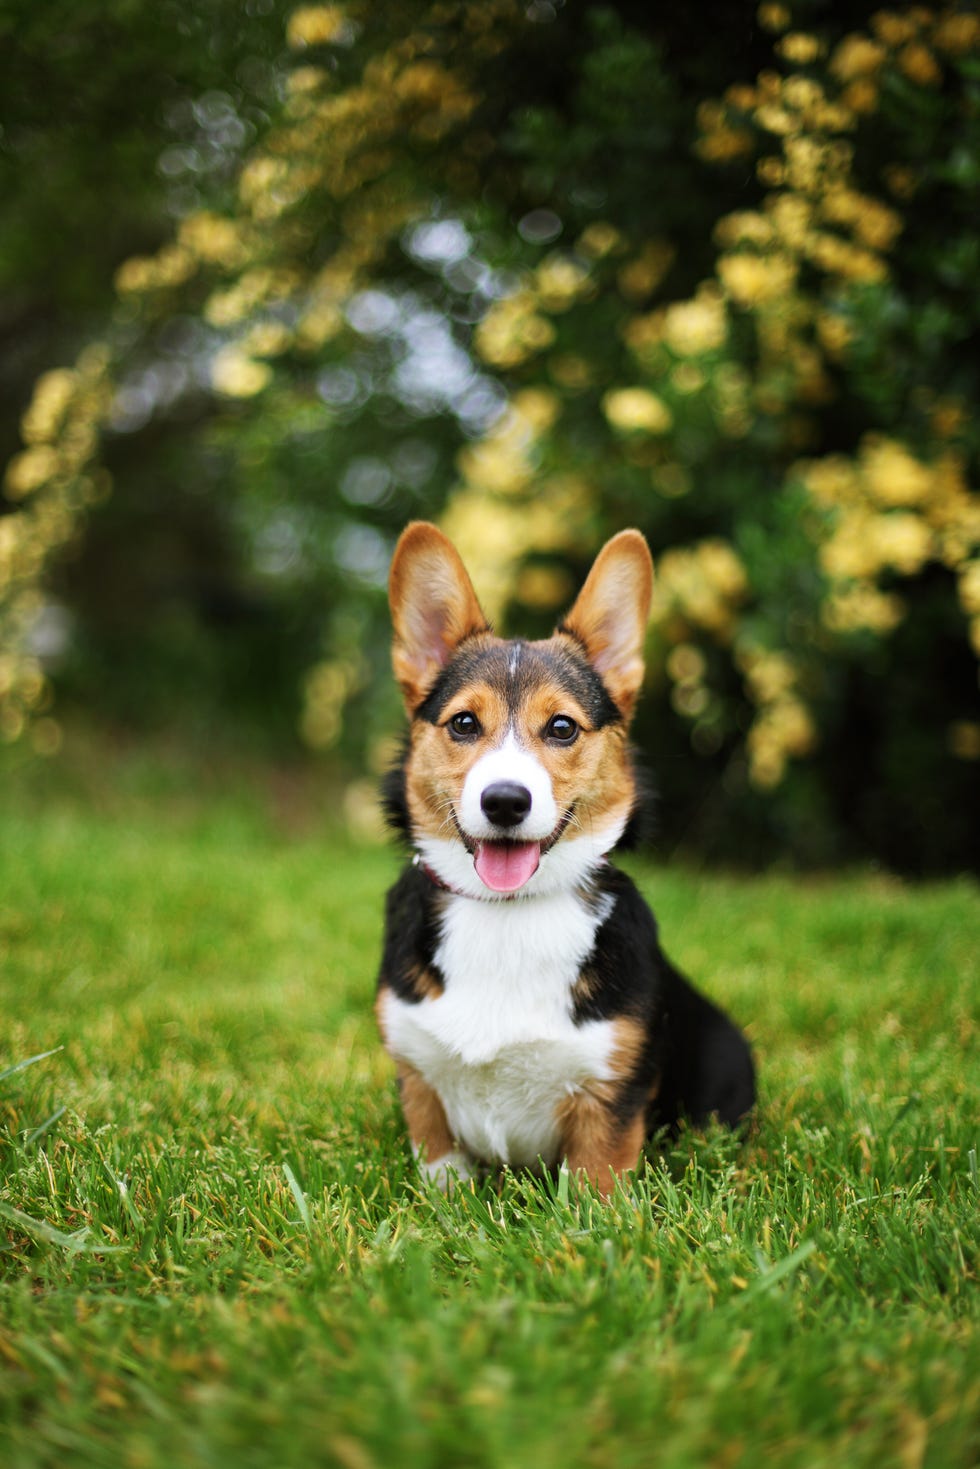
(562, 728)
(464, 726)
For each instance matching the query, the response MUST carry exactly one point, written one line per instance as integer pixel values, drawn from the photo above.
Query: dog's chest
(499, 1045)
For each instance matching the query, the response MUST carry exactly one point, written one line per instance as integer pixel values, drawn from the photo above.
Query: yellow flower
(599, 238)
(793, 727)
(849, 554)
(637, 409)
(723, 569)
(29, 470)
(773, 17)
(767, 763)
(267, 339)
(696, 326)
(919, 65)
(559, 281)
(536, 407)
(799, 48)
(893, 29)
(892, 475)
(724, 144)
(238, 376)
(791, 216)
(902, 541)
(211, 238)
(495, 465)
(316, 25)
(741, 96)
(303, 80)
(835, 334)
(861, 96)
(957, 33)
(50, 401)
(260, 176)
(512, 331)
(856, 56)
(776, 119)
(969, 588)
(769, 674)
(861, 606)
(744, 226)
(753, 280)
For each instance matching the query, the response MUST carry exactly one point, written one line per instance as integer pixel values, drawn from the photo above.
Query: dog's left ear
(610, 615)
(433, 608)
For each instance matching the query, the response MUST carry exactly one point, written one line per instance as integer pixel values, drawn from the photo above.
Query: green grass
(213, 1249)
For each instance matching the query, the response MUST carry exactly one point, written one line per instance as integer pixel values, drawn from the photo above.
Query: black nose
(505, 803)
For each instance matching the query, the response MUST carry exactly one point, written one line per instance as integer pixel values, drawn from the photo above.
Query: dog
(531, 1014)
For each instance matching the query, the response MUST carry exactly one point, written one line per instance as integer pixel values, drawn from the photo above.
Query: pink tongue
(506, 866)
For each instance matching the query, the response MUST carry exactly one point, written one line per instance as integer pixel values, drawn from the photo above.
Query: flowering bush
(742, 321)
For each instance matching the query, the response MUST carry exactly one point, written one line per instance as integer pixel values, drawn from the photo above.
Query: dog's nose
(505, 803)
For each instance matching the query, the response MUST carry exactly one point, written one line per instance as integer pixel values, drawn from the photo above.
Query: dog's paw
(442, 1173)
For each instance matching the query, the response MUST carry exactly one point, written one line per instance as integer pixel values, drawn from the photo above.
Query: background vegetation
(540, 270)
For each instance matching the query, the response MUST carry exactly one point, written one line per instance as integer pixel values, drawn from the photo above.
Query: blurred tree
(705, 273)
(116, 119)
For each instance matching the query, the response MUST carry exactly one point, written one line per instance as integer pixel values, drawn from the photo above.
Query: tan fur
(611, 612)
(595, 1141)
(433, 605)
(424, 1115)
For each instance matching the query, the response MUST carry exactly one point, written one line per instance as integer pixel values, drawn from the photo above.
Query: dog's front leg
(598, 1142)
(440, 1161)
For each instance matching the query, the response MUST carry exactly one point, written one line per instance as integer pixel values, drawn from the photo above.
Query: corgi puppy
(531, 1014)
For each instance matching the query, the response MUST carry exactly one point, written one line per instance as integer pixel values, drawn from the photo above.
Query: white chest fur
(499, 1045)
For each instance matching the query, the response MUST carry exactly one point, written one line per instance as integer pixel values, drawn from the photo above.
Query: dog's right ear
(433, 608)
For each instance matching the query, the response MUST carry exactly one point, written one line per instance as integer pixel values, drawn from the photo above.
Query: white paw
(443, 1172)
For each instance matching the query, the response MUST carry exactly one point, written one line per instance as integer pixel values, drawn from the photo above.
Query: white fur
(509, 762)
(499, 1045)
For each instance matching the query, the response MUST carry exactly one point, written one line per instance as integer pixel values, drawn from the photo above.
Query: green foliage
(214, 1246)
(542, 272)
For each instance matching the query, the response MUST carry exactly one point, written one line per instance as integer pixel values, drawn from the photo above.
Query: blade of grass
(78, 1243)
(780, 1270)
(30, 1061)
(38, 1132)
(300, 1197)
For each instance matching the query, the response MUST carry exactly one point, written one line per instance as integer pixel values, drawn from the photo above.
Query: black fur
(696, 1060)
(514, 667)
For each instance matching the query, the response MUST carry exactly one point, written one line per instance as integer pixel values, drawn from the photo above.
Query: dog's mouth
(505, 866)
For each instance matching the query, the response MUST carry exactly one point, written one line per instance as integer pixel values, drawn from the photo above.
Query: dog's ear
(610, 615)
(433, 608)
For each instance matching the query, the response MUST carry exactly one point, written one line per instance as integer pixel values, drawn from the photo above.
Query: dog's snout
(505, 803)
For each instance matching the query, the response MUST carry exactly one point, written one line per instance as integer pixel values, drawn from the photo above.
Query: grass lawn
(213, 1249)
